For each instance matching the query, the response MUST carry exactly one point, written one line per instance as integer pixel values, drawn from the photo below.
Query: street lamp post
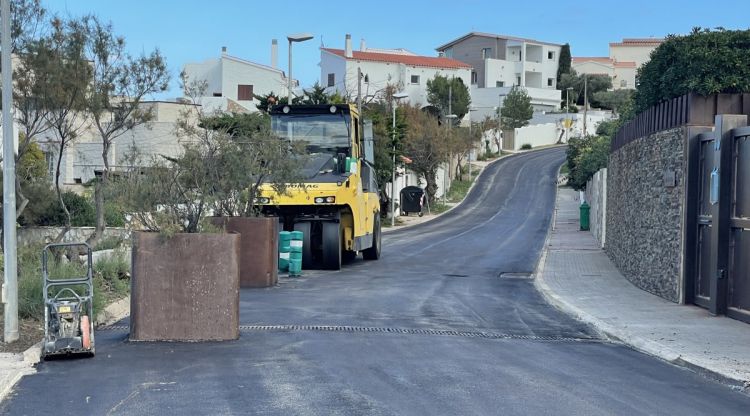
(471, 139)
(10, 271)
(446, 171)
(297, 37)
(567, 109)
(397, 96)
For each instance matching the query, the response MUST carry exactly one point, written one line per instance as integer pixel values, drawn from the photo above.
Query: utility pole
(497, 130)
(446, 172)
(568, 122)
(10, 275)
(359, 89)
(471, 142)
(585, 101)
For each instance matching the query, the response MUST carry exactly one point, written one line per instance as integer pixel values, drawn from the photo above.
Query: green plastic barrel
(295, 267)
(285, 239)
(585, 212)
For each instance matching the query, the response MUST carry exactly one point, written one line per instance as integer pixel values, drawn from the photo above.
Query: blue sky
(192, 30)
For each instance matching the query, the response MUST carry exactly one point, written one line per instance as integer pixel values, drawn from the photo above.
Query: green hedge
(704, 61)
(44, 209)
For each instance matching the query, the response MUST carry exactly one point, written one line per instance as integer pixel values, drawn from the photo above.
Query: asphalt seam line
(394, 330)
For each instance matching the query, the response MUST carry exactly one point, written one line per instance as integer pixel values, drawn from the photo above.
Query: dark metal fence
(687, 110)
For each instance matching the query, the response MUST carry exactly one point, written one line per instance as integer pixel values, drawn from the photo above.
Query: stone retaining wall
(645, 211)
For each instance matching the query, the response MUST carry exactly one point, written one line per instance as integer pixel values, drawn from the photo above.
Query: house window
(244, 92)
(518, 80)
(217, 94)
(486, 53)
(623, 84)
(331, 80)
(50, 159)
(367, 78)
(473, 77)
(415, 79)
(499, 83)
(550, 82)
(551, 55)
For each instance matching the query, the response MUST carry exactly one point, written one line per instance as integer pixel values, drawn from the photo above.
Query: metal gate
(738, 285)
(702, 253)
(718, 241)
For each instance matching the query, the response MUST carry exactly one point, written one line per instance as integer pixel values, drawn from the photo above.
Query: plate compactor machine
(68, 305)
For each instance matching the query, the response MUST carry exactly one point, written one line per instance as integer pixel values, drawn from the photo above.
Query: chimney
(348, 46)
(441, 54)
(362, 46)
(274, 53)
(223, 49)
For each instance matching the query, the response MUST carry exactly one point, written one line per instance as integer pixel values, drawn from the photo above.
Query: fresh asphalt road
(447, 322)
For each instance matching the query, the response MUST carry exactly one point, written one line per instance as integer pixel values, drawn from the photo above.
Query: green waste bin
(585, 211)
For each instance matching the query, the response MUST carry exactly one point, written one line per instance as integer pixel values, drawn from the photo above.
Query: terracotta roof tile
(425, 61)
(600, 59)
(624, 64)
(638, 42)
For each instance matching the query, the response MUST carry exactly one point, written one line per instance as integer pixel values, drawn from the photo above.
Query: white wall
(591, 67)
(208, 70)
(596, 196)
(627, 74)
(332, 64)
(263, 79)
(409, 178)
(593, 118)
(487, 100)
(82, 158)
(499, 70)
(630, 53)
(537, 135)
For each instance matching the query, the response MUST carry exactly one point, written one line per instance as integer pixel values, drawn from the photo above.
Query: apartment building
(380, 68)
(499, 62)
(622, 64)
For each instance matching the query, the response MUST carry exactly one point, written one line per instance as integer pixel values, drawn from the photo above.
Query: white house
(233, 82)
(622, 63)
(500, 62)
(82, 159)
(383, 67)
(486, 101)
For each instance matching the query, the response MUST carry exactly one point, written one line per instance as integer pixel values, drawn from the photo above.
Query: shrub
(526, 146)
(111, 279)
(113, 215)
(585, 157)
(705, 62)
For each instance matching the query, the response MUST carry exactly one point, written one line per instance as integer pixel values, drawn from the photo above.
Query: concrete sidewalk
(578, 277)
